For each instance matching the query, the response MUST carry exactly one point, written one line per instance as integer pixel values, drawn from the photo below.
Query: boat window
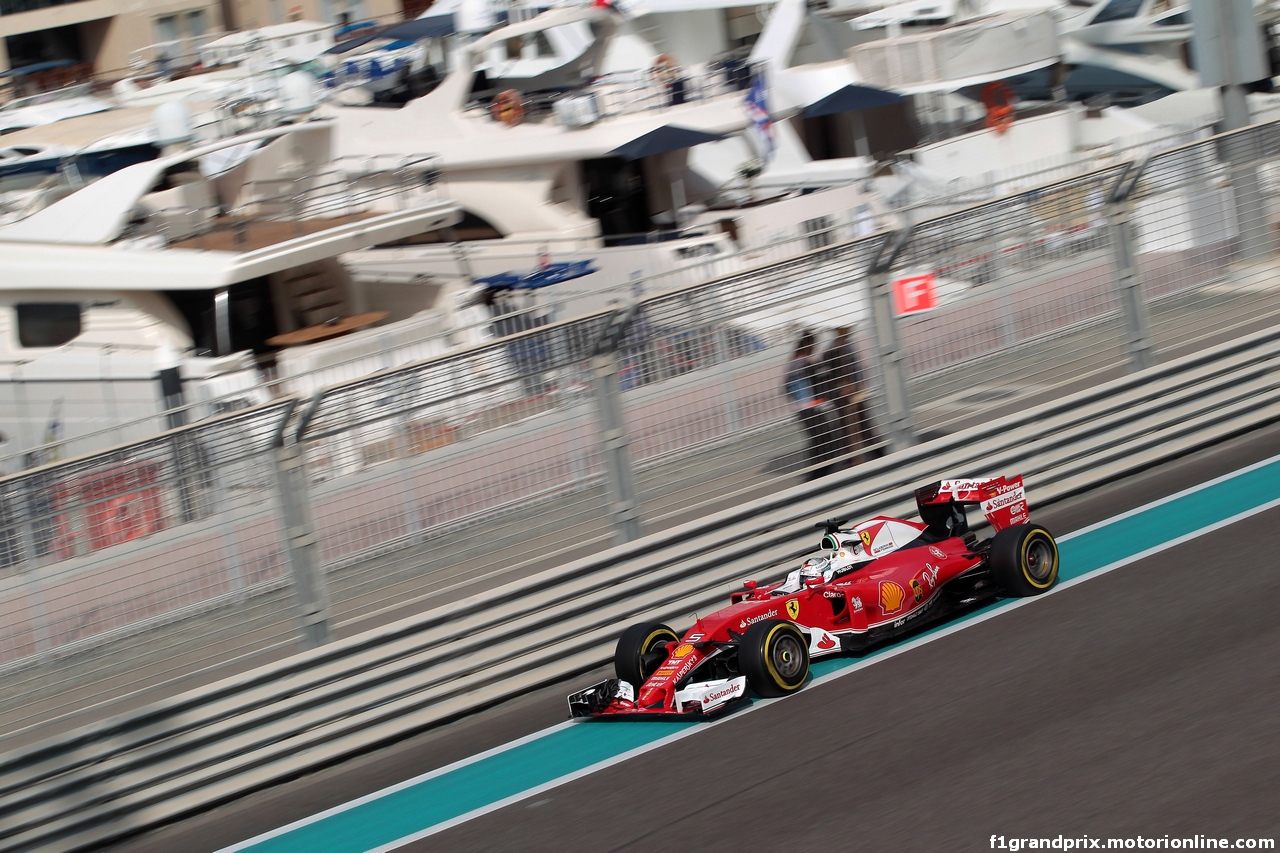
(48, 324)
(698, 250)
(1117, 10)
(819, 232)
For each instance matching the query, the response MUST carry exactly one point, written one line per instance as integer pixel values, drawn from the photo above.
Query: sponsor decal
(693, 638)
(1004, 500)
(937, 552)
(891, 596)
(856, 604)
(685, 667)
(866, 538)
(721, 693)
(665, 672)
(827, 642)
(899, 623)
(683, 650)
(930, 575)
(793, 608)
(751, 620)
(917, 590)
(832, 594)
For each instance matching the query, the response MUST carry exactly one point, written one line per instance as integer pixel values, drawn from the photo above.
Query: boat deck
(246, 234)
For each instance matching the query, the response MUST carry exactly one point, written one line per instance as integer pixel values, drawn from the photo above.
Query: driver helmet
(815, 567)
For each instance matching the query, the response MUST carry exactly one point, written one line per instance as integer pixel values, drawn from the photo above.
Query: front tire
(642, 649)
(774, 656)
(1024, 560)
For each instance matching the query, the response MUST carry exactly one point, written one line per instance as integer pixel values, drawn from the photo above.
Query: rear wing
(1003, 501)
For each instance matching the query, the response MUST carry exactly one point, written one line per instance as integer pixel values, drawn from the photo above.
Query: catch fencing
(378, 498)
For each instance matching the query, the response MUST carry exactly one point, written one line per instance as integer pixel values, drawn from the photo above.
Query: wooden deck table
(330, 329)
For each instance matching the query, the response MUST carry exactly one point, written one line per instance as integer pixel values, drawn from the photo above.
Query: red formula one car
(870, 582)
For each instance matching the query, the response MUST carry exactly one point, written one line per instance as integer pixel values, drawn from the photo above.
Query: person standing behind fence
(800, 389)
(843, 383)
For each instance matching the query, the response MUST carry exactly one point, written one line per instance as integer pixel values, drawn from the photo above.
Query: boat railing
(630, 92)
(273, 210)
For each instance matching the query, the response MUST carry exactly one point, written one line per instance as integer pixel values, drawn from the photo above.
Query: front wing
(616, 699)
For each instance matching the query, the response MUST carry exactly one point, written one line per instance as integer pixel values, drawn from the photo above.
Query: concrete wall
(110, 29)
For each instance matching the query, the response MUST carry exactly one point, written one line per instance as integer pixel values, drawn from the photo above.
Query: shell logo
(916, 589)
(683, 650)
(793, 608)
(891, 596)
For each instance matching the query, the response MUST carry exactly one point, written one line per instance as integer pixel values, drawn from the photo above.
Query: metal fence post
(1120, 228)
(888, 348)
(310, 592)
(613, 431)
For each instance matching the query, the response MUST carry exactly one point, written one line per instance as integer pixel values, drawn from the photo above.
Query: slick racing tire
(774, 656)
(641, 649)
(1024, 560)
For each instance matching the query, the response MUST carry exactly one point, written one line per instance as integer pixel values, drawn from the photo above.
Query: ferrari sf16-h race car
(869, 582)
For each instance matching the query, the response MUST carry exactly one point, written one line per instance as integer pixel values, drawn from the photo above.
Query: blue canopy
(539, 277)
(660, 140)
(36, 68)
(851, 97)
(430, 27)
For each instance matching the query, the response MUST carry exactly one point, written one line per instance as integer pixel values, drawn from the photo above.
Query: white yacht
(220, 262)
(656, 169)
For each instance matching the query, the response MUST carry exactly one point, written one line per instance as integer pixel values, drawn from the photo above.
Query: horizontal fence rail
(190, 751)
(216, 549)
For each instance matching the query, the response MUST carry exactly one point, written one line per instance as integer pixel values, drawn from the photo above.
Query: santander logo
(722, 693)
(827, 642)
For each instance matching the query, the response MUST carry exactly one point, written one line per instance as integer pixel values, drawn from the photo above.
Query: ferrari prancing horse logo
(866, 539)
(793, 608)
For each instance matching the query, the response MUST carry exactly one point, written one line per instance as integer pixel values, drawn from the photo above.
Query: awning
(669, 137)
(431, 27)
(535, 278)
(547, 20)
(851, 97)
(36, 68)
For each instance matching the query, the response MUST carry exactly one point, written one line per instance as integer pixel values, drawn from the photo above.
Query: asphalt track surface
(1142, 701)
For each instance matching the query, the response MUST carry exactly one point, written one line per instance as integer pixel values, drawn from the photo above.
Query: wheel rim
(787, 656)
(1039, 561)
(657, 642)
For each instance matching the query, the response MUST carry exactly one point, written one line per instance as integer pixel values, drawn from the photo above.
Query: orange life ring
(999, 98)
(665, 69)
(508, 107)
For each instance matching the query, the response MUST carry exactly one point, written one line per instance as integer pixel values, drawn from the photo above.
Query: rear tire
(1024, 560)
(642, 649)
(774, 656)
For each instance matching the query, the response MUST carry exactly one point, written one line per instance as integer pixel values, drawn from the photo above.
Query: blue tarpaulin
(539, 277)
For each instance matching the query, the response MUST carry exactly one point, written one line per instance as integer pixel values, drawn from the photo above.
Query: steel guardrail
(190, 752)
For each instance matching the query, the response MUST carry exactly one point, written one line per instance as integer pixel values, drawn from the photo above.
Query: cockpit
(826, 566)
